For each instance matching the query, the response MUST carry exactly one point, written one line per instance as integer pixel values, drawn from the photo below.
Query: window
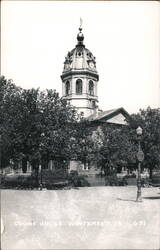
(79, 53)
(79, 87)
(82, 114)
(91, 88)
(67, 87)
(93, 104)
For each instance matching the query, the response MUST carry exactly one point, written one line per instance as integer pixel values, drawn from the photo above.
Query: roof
(116, 116)
(80, 58)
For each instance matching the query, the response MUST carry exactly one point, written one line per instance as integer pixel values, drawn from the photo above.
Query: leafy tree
(9, 117)
(149, 120)
(82, 142)
(58, 119)
(35, 125)
(118, 148)
(120, 144)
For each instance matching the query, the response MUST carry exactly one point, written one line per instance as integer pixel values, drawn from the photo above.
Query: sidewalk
(85, 218)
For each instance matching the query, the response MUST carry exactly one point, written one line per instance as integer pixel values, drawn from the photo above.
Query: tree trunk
(36, 170)
(24, 165)
(84, 164)
(150, 172)
(16, 165)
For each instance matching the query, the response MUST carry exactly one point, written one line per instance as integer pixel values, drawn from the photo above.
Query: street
(84, 218)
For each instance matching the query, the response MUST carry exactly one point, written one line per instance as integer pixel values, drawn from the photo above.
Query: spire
(80, 36)
(80, 27)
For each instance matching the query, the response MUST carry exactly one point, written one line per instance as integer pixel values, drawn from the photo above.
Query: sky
(124, 36)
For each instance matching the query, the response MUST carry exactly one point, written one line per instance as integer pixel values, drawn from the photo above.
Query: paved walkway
(88, 218)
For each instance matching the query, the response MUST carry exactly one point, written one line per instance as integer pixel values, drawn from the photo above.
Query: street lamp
(140, 157)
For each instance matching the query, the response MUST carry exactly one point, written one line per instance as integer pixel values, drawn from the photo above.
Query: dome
(80, 58)
(80, 78)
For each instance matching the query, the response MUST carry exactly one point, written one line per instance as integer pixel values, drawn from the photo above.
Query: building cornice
(83, 96)
(80, 72)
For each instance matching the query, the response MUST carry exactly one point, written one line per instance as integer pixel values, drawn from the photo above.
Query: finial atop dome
(80, 36)
(80, 27)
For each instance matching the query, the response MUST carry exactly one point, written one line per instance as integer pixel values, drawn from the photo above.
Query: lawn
(84, 218)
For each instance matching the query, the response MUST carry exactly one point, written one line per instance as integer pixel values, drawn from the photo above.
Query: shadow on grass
(152, 197)
(126, 199)
(147, 198)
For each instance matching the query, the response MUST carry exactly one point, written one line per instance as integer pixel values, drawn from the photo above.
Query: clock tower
(80, 78)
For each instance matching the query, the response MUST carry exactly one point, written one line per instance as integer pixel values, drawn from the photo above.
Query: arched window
(93, 104)
(67, 87)
(79, 87)
(91, 88)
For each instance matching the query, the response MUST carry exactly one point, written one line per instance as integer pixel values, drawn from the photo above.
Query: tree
(82, 142)
(58, 119)
(35, 125)
(120, 144)
(149, 120)
(10, 106)
(118, 149)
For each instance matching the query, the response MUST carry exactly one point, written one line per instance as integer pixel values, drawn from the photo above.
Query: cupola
(80, 78)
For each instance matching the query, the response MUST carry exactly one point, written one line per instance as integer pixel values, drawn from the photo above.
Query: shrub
(122, 181)
(111, 180)
(20, 182)
(2, 177)
(54, 175)
(54, 179)
(76, 180)
(58, 185)
(146, 182)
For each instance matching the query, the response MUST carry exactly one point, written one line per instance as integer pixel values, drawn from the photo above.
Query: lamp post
(140, 157)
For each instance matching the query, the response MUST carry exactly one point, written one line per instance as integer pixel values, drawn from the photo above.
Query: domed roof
(80, 58)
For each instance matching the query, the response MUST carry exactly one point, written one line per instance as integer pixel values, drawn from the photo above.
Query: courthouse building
(80, 85)
(80, 80)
